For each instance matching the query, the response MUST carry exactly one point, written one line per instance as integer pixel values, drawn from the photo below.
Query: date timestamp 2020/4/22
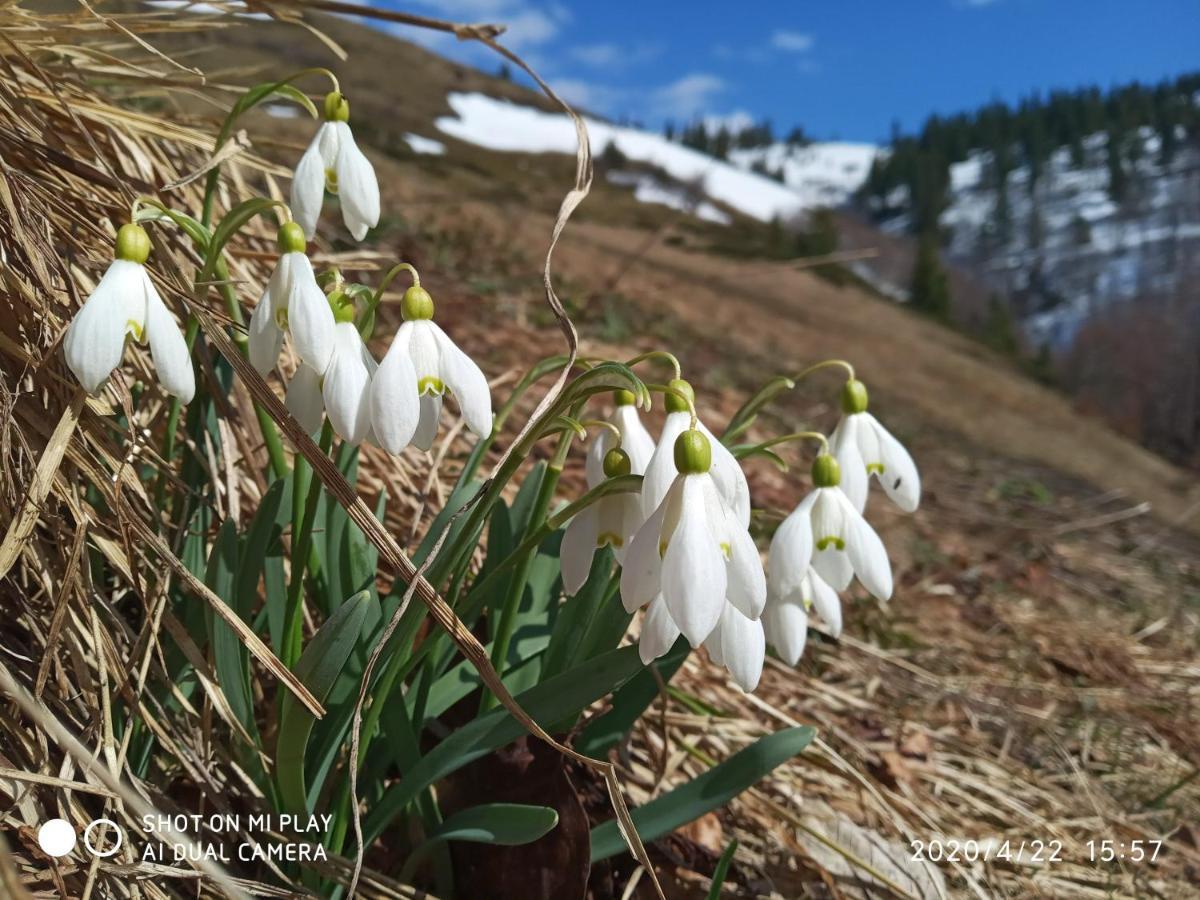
(1031, 852)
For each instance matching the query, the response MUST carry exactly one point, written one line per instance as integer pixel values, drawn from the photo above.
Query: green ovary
(826, 542)
(877, 468)
(431, 384)
(331, 181)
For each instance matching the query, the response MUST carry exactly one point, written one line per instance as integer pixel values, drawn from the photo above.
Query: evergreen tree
(929, 291)
(1118, 180)
(999, 332)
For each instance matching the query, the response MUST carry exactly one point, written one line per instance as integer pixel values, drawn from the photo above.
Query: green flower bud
(337, 107)
(678, 404)
(616, 463)
(417, 304)
(826, 472)
(342, 306)
(693, 453)
(133, 244)
(291, 238)
(854, 397)
(624, 398)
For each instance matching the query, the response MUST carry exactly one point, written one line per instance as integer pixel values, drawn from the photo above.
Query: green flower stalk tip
(417, 304)
(133, 244)
(679, 404)
(693, 453)
(616, 463)
(826, 473)
(342, 306)
(854, 397)
(291, 238)
(624, 398)
(337, 107)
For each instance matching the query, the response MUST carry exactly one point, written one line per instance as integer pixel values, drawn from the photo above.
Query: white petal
(747, 583)
(310, 319)
(358, 188)
(594, 463)
(659, 632)
(791, 549)
(629, 515)
(578, 548)
(466, 382)
(786, 629)
(95, 339)
(834, 566)
(265, 337)
(899, 478)
(641, 574)
(308, 184)
(660, 471)
(423, 348)
(826, 603)
(395, 407)
(730, 479)
(427, 421)
(635, 439)
(844, 444)
(743, 647)
(867, 555)
(828, 516)
(304, 400)
(168, 348)
(347, 385)
(693, 569)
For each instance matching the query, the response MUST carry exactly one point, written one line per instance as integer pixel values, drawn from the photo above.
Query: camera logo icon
(57, 837)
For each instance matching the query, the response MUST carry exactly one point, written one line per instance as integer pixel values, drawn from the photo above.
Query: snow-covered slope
(823, 174)
(499, 125)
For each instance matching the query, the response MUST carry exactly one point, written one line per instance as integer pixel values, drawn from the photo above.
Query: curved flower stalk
(124, 303)
(334, 161)
(660, 472)
(844, 545)
(794, 588)
(292, 301)
(635, 440)
(863, 448)
(611, 521)
(420, 366)
(691, 558)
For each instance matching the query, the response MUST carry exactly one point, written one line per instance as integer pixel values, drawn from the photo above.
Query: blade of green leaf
(706, 792)
(722, 871)
(231, 659)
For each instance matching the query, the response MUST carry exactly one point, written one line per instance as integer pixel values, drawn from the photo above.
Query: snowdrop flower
(863, 448)
(635, 439)
(125, 302)
(292, 301)
(346, 384)
(692, 554)
(844, 545)
(420, 366)
(794, 588)
(612, 520)
(661, 470)
(334, 161)
(304, 399)
(739, 644)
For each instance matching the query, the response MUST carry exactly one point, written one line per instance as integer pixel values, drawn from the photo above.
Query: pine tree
(1118, 180)
(930, 291)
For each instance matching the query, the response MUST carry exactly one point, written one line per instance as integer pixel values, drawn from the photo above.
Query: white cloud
(792, 41)
(614, 56)
(687, 95)
(526, 24)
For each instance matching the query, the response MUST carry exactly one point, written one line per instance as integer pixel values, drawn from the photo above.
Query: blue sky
(839, 69)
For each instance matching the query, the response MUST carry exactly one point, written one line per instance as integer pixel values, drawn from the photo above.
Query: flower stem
(825, 364)
(658, 354)
(305, 489)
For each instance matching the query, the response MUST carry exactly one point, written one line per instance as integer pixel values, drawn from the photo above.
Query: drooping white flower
(421, 365)
(292, 301)
(346, 384)
(125, 302)
(794, 587)
(863, 448)
(304, 399)
(610, 521)
(844, 545)
(738, 643)
(334, 161)
(635, 440)
(661, 470)
(693, 552)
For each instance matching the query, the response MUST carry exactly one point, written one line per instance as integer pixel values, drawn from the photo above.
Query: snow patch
(648, 189)
(427, 146)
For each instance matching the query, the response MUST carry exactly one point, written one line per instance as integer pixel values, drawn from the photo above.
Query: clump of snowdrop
(691, 559)
(125, 303)
(333, 162)
(864, 448)
(611, 521)
(292, 301)
(419, 367)
(660, 472)
(631, 436)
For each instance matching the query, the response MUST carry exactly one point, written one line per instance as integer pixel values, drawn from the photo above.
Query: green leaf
(263, 532)
(265, 91)
(722, 870)
(229, 654)
(193, 228)
(231, 223)
(551, 701)
(744, 417)
(706, 792)
(318, 667)
(573, 615)
(502, 824)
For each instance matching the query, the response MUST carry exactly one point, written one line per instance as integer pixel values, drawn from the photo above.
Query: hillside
(1031, 678)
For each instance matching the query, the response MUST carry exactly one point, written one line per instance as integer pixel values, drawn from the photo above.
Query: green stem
(303, 486)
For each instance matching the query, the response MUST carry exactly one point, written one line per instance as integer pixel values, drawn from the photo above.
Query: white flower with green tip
(794, 588)
(126, 303)
(419, 367)
(864, 448)
(334, 162)
(635, 439)
(611, 521)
